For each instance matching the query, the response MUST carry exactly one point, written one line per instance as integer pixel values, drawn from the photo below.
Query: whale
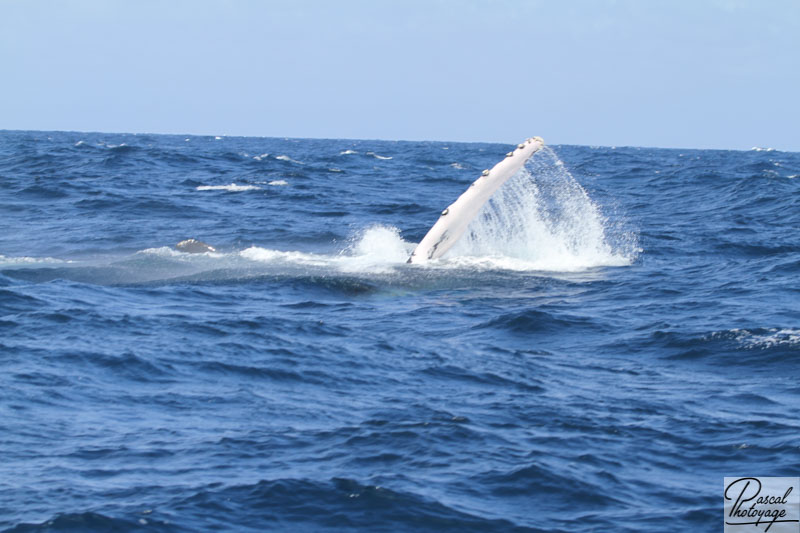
(455, 218)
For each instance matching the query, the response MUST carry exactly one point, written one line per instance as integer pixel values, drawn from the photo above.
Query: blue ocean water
(619, 330)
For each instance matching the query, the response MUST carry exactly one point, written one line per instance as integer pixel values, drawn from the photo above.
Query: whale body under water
(455, 218)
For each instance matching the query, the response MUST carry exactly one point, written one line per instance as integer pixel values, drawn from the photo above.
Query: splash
(542, 219)
(377, 248)
(374, 250)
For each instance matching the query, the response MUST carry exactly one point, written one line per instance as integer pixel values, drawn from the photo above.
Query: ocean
(618, 331)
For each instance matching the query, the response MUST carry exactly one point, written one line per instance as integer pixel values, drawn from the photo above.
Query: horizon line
(610, 146)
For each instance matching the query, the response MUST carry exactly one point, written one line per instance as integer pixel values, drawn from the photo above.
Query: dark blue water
(619, 331)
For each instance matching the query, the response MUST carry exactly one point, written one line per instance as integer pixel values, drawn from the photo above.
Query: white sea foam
(278, 183)
(376, 156)
(459, 166)
(266, 255)
(217, 138)
(348, 152)
(161, 251)
(172, 253)
(260, 157)
(11, 261)
(289, 159)
(230, 188)
(760, 149)
(771, 338)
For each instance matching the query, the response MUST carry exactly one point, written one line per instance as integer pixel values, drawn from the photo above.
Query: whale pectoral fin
(442, 240)
(456, 217)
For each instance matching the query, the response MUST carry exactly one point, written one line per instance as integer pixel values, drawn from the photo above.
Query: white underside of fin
(456, 217)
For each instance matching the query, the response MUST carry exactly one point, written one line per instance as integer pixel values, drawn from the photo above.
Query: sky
(676, 74)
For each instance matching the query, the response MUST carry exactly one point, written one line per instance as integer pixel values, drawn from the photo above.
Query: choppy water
(619, 331)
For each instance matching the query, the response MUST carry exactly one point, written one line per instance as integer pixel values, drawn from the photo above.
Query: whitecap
(770, 338)
(260, 157)
(230, 188)
(278, 183)
(289, 159)
(458, 166)
(348, 152)
(376, 156)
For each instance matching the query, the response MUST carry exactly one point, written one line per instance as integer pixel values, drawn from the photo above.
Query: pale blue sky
(693, 73)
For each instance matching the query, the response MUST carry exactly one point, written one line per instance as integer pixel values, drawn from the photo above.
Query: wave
(88, 521)
(288, 159)
(533, 321)
(765, 339)
(737, 348)
(292, 504)
(337, 504)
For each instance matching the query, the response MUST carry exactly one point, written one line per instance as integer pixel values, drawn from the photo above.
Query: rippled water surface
(617, 332)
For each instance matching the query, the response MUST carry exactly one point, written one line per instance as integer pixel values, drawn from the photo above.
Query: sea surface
(619, 330)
